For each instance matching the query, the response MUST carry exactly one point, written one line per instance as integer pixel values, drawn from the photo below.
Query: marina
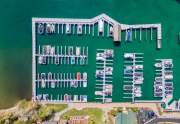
(80, 70)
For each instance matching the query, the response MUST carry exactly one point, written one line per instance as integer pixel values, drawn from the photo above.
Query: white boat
(100, 57)
(108, 70)
(138, 66)
(85, 84)
(137, 95)
(101, 25)
(168, 77)
(129, 56)
(79, 29)
(85, 76)
(42, 60)
(111, 31)
(68, 28)
(75, 98)
(41, 28)
(52, 51)
(108, 53)
(98, 93)
(53, 84)
(78, 51)
(43, 83)
(158, 65)
(99, 73)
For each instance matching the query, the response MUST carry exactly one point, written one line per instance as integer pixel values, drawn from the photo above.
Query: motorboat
(100, 57)
(108, 70)
(108, 53)
(79, 29)
(50, 28)
(168, 77)
(137, 95)
(68, 28)
(168, 64)
(85, 76)
(99, 93)
(99, 74)
(138, 67)
(42, 60)
(129, 56)
(49, 76)
(78, 51)
(158, 65)
(41, 28)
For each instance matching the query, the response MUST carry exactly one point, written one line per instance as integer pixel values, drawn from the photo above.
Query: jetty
(100, 20)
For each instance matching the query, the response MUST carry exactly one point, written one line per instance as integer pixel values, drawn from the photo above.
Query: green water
(15, 36)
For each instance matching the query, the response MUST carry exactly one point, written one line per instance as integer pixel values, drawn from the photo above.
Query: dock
(117, 27)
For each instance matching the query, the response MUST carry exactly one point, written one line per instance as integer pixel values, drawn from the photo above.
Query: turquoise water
(15, 36)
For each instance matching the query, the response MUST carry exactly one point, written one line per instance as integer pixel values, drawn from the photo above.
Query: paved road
(155, 121)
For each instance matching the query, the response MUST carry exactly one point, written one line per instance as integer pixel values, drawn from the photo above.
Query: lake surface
(15, 34)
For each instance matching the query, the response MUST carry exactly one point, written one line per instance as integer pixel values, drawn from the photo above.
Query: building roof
(123, 118)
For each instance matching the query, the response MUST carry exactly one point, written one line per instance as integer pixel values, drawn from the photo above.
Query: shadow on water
(178, 1)
(117, 44)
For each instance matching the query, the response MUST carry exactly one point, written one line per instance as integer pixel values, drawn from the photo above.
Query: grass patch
(95, 114)
(47, 111)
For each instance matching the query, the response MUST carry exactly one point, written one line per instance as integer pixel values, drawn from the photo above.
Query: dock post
(135, 34)
(131, 34)
(58, 28)
(62, 28)
(39, 50)
(65, 56)
(126, 36)
(73, 28)
(151, 34)
(93, 29)
(61, 55)
(140, 34)
(87, 56)
(108, 30)
(85, 28)
(146, 34)
(89, 28)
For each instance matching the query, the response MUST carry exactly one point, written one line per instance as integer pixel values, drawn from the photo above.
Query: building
(78, 120)
(126, 118)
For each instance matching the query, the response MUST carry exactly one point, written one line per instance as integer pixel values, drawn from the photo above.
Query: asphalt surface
(155, 121)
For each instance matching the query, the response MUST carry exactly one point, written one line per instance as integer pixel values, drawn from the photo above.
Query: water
(15, 35)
